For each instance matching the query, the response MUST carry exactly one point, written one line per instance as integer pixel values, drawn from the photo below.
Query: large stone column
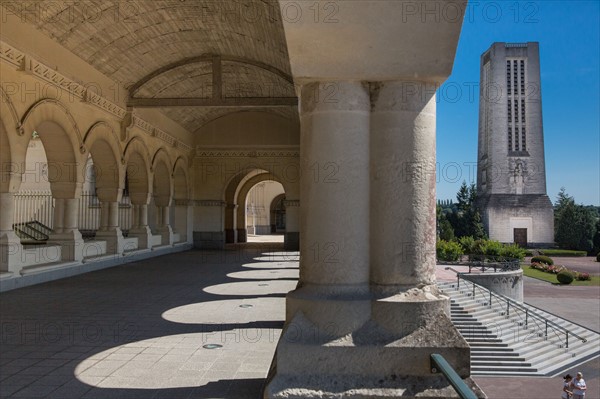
(292, 225)
(332, 298)
(406, 301)
(110, 230)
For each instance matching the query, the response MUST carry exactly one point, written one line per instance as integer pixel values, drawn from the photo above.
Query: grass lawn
(551, 278)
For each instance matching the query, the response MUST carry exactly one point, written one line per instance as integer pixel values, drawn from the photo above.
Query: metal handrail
(484, 262)
(520, 307)
(439, 363)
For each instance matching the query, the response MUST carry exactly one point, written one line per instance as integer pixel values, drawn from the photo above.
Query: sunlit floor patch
(229, 311)
(272, 265)
(279, 257)
(258, 287)
(180, 360)
(265, 274)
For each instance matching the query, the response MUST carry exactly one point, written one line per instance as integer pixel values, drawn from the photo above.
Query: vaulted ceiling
(194, 49)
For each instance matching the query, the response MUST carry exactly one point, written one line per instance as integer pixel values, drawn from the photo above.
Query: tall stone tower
(511, 173)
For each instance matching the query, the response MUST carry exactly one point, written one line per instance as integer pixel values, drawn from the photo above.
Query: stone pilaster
(183, 216)
(209, 231)
(292, 225)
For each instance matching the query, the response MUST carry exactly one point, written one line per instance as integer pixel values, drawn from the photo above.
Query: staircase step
(500, 342)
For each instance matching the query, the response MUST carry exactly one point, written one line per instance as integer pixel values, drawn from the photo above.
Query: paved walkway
(140, 330)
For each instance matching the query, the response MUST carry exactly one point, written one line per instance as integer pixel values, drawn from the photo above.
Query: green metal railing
(441, 365)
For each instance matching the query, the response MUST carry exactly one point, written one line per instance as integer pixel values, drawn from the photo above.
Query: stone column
(164, 224)
(110, 230)
(140, 230)
(10, 244)
(292, 225)
(332, 299)
(406, 301)
(66, 232)
(403, 223)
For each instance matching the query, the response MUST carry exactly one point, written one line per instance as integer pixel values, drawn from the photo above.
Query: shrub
(562, 252)
(468, 244)
(598, 257)
(449, 251)
(542, 259)
(582, 276)
(565, 277)
(512, 251)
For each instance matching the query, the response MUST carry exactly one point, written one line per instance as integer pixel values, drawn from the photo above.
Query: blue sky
(569, 40)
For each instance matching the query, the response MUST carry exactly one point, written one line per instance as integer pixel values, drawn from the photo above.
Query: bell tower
(511, 173)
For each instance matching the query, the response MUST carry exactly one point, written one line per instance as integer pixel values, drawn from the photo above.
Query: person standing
(578, 385)
(566, 392)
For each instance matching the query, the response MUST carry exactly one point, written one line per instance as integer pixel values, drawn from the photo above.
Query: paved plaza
(140, 330)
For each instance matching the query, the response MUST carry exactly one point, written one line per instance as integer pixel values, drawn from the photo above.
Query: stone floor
(139, 330)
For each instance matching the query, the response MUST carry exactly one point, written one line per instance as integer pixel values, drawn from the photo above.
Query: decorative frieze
(28, 64)
(208, 203)
(204, 153)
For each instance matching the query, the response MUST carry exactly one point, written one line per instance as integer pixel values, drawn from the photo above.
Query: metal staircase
(512, 338)
(32, 232)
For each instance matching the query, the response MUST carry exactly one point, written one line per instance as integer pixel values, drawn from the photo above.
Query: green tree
(574, 224)
(444, 227)
(466, 221)
(596, 240)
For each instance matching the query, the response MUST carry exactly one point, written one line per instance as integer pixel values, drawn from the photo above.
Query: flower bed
(555, 269)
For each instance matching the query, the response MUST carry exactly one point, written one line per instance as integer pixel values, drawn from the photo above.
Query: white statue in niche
(518, 177)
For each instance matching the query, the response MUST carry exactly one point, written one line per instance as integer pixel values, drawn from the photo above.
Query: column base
(10, 252)
(209, 239)
(359, 387)
(71, 244)
(166, 235)
(144, 236)
(291, 241)
(115, 242)
(386, 357)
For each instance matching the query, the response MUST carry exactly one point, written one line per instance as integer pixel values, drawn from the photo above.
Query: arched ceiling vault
(190, 59)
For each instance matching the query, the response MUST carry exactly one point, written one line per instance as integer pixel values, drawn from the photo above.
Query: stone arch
(62, 143)
(102, 143)
(181, 185)
(242, 194)
(162, 181)
(138, 170)
(231, 205)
